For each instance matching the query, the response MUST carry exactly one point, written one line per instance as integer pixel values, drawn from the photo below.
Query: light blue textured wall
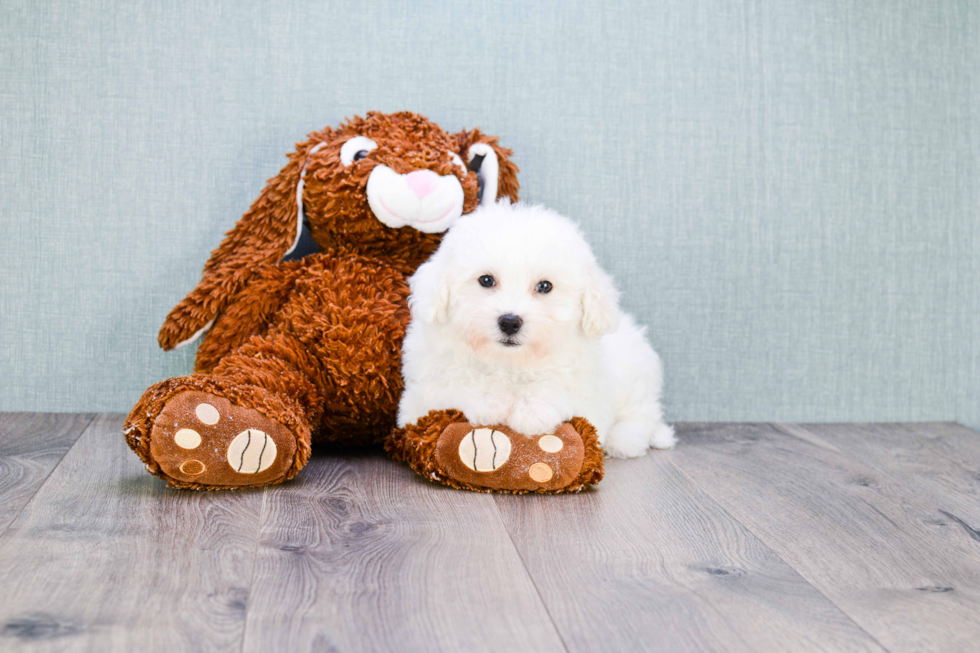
(787, 191)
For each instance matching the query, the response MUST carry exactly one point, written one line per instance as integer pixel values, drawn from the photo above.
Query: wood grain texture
(104, 558)
(648, 562)
(864, 539)
(31, 445)
(938, 462)
(360, 554)
(746, 538)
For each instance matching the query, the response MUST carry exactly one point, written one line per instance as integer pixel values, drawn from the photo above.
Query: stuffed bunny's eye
(356, 149)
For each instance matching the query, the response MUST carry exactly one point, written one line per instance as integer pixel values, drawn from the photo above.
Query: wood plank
(864, 539)
(938, 462)
(360, 554)
(31, 445)
(105, 558)
(649, 562)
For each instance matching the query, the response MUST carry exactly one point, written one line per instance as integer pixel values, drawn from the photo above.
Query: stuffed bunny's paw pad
(206, 440)
(499, 458)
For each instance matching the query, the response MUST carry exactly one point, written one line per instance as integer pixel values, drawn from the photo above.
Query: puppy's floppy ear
(268, 231)
(600, 303)
(491, 163)
(430, 296)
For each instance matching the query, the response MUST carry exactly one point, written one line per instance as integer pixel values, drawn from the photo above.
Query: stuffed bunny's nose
(422, 182)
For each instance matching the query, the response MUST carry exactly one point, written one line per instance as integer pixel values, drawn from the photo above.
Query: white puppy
(514, 323)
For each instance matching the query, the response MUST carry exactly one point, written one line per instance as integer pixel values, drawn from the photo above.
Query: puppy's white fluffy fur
(575, 354)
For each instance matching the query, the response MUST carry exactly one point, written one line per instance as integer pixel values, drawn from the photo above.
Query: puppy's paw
(663, 437)
(533, 418)
(632, 439)
(536, 414)
(487, 408)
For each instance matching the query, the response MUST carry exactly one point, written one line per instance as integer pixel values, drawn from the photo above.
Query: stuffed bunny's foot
(205, 439)
(202, 441)
(444, 447)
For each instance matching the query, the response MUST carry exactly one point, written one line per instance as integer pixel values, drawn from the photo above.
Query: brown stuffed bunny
(309, 350)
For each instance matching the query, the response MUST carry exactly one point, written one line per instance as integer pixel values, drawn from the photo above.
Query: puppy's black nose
(509, 323)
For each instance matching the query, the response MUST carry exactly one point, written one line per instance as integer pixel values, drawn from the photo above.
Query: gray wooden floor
(761, 537)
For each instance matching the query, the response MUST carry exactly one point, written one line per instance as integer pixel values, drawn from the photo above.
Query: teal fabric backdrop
(786, 191)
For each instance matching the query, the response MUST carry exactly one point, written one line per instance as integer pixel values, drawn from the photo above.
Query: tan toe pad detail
(192, 467)
(207, 414)
(498, 458)
(187, 439)
(540, 472)
(550, 443)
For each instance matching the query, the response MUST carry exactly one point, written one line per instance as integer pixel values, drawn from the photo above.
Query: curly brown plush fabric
(300, 352)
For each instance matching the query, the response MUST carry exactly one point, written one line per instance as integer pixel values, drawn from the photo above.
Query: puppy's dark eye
(544, 287)
(487, 281)
(360, 155)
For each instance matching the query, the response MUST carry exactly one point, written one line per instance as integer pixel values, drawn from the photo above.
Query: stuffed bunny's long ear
(268, 231)
(491, 163)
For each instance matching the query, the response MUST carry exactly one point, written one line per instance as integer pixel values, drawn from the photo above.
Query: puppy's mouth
(510, 341)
